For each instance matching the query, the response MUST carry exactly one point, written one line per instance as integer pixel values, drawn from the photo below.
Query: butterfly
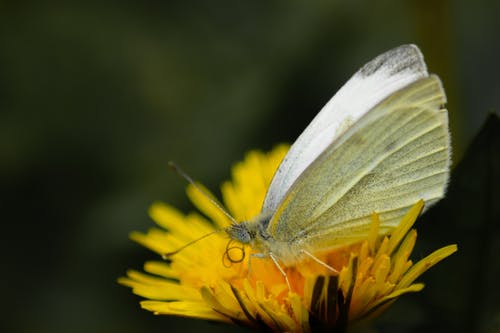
(379, 145)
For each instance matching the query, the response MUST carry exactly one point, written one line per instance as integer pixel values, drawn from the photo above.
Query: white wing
(395, 155)
(387, 73)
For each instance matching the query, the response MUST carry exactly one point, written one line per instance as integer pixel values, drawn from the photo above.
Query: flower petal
(420, 267)
(158, 288)
(184, 309)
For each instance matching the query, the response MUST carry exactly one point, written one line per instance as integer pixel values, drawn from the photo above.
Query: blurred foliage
(97, 96)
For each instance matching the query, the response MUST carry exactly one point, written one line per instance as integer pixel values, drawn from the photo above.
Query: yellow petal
(406, 222)
(166, 216)
(161, 268)
(184, 309)
(426, 263)
(222, 300)
(206, 203)
(300, 312)
(400, 257)
(158, 288)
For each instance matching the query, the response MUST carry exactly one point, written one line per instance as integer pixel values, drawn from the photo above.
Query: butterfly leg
(273, 258)
(310, 255)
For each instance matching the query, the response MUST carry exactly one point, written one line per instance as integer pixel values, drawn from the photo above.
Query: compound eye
(245, 236)
(240, 233)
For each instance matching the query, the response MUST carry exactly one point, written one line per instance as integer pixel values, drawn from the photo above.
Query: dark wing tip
(404, 58)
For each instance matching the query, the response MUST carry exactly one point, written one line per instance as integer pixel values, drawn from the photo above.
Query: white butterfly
(379, 145)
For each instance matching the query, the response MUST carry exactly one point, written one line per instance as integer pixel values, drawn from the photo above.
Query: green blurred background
(97, 96)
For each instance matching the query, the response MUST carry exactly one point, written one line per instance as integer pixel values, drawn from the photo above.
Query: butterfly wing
(393, 156)
(375, 81)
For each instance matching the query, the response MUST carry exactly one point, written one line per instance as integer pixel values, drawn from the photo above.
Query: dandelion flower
(211, 279)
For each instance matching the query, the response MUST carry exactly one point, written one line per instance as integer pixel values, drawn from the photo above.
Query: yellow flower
(202, 282)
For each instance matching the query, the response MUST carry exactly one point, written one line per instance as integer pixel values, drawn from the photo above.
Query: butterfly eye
(240, 233)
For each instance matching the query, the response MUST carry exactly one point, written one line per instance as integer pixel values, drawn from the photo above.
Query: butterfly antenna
(184, 175)
(170, 254)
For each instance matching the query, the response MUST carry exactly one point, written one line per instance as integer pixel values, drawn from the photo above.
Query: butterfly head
(241, 232)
